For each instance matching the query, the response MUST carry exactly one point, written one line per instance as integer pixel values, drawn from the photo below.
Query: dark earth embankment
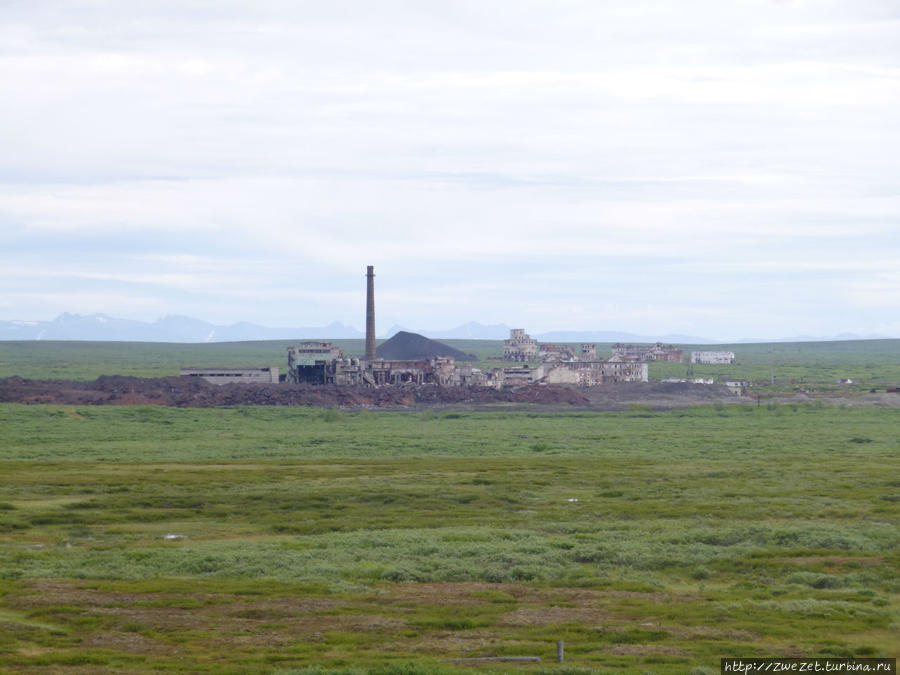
(196, 393)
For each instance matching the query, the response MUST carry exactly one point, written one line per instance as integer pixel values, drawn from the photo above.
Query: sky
(720, 169)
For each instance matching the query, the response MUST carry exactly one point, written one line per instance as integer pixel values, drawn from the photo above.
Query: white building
(712, 357)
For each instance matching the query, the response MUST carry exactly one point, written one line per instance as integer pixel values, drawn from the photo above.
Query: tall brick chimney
(370, 313)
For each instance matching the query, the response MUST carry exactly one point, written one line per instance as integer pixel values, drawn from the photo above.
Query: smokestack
(370, 313)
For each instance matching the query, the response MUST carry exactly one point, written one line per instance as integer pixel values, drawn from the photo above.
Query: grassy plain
(280, 539)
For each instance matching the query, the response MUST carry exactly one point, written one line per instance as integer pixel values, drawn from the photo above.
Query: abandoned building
(552, 352)
(323, 363)
(438, 370)
(692, 380)
(520, 346)
(320, 362)
(226, 375)
(738, 387)
(595, 373)
(656, 352)
(516, 376)
(712, 357)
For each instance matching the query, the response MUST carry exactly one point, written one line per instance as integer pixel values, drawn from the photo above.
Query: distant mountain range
(167, 329)
(186, 329)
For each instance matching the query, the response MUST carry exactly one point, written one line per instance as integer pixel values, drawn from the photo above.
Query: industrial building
(551, 352)
(323, 363)
(226, 375)
(594, 373)
(320, 362)
(637, 353)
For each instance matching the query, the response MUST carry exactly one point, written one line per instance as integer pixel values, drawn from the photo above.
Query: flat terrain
(273, 539)
(264, 535)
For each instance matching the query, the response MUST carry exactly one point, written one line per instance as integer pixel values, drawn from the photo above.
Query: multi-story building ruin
(516, 376)
(320, 363)
(562, 366)
(551, 352)
(656, 352)
(520, 346)
(595, 373)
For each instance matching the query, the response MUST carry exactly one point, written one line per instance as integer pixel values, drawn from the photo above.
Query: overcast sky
(719, 168)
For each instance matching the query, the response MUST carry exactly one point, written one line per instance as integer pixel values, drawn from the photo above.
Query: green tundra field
(139, 539)
(281, 540)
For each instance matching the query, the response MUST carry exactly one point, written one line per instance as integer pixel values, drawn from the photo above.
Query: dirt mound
(661, 395)
(192, 392)
(413, 347)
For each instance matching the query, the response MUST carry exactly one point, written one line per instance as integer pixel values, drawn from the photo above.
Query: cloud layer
(722, 169)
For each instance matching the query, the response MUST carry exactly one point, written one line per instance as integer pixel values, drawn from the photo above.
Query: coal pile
(414, 347)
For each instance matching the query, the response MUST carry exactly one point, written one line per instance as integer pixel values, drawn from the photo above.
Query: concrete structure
(552, 352)
(737, 387)
(467, 376)
(692, 380)
(712, 357)
(560, 374)
(657, 352)
(370, 313)
(595, 373)
(517, 376)
(318, 363)
(520, 346)
(240, 375)
(438, 370)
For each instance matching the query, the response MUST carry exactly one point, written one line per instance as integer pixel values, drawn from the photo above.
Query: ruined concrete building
(516, 376)
(552, 352)
(657, 352)
(321, 363)
(562, 366)
(595, 373)
(318, 362)
(520, 346)
(712, 357)
(439, 370)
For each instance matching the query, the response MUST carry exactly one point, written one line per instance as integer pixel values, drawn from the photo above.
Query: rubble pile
(193, 392)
